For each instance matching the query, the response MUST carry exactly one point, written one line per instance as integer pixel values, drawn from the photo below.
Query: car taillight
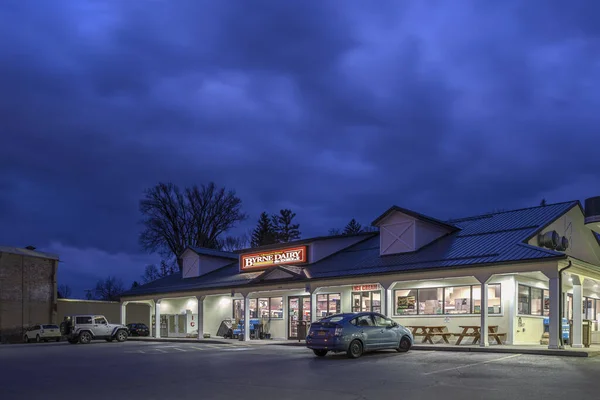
(338, 331)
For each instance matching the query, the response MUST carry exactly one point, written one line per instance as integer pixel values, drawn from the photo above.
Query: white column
(577, 338)
(389, 304)
(150, 314)
(200, 321)
(483, 326)
(555, 320)
(157, 319)
(124, 313)
(511, 307)
(313, 306)
(246, 318)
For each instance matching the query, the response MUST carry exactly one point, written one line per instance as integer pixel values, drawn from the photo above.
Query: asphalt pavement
(148, 370)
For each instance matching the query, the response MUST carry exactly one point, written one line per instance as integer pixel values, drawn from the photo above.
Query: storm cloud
(335, 109)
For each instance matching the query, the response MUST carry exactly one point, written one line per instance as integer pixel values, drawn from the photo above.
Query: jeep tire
(121, 335)
(85, 337)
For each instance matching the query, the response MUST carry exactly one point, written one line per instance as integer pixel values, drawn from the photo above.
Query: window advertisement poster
(406, 303)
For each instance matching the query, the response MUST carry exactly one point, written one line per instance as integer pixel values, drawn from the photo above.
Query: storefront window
(524, 300)
(276, 307)
(494, 299)
(238, 310)
(546, 303)
(448, 300)
(406, 302)
(589, 308)
(263, 308)
(536, 301)
(457, 300)
(366, 301)
(253, 312)
(430, 301)
(328, 304)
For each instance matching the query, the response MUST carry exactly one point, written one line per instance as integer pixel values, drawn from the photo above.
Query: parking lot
(224, 371)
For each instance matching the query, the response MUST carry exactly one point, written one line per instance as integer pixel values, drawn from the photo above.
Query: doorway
(298, 311)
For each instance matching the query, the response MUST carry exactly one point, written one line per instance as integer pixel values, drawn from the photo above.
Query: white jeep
(85, 328)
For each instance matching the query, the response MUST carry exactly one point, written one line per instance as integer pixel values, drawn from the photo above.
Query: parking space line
(472, 365)
(197, 347)
(178, 349)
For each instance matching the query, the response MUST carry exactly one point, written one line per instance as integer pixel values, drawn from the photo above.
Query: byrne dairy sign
(295, 255)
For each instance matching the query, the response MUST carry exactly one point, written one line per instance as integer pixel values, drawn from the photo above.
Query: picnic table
(428, 332)
(474, 331)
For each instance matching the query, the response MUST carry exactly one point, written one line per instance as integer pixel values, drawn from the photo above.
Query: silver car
(355, 333)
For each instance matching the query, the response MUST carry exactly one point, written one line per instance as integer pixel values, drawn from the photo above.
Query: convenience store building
(514, 270)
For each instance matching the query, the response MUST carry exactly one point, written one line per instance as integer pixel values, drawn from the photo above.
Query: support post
(313, 306)
(200, 321)
(577, 339)
(157, 318)
(246, 317)
(483, 326)
(124, 312)
(150, 314)
(555, 320)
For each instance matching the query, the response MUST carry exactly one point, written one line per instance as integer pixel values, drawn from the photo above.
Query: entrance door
(298, 311)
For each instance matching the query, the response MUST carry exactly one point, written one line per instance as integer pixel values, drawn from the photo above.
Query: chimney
(30, 248)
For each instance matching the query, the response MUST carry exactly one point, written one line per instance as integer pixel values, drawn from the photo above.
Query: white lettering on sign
(363, 288)
(294, 255)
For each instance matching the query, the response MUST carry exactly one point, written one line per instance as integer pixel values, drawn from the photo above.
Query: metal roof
(486, 239)
(416, 215)
(214, 253)
(28, 253)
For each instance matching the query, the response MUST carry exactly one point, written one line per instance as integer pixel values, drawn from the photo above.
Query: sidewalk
(541, 350)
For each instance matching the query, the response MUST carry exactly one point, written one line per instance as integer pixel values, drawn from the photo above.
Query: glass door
(298, 311)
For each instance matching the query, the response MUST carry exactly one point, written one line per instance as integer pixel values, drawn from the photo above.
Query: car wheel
(85, 338)
(37, 338)
(404, 345)
(121, 336)
(320, 353)
(355, 349)
(26, 339)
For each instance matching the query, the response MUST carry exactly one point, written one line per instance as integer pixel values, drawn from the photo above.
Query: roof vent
(563, 244)
(549, 240)
(30, 248)
(592, 213)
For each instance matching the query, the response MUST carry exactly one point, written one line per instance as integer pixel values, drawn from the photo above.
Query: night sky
(335, 109)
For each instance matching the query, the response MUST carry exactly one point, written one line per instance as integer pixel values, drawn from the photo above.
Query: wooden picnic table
(428, 332)
(474, 331)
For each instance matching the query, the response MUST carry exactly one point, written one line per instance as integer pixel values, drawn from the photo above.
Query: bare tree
(109, 289)
(334, 232)
(64, 292)
(197, 216)
(233, 243)
(152, 272)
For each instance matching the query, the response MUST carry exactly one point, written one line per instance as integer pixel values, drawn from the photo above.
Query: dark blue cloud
(335, 109)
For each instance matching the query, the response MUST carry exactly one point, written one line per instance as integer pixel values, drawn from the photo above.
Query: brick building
(27, 290)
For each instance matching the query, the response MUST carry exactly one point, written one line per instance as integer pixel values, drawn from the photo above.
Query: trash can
(301, 330)
(587, 333)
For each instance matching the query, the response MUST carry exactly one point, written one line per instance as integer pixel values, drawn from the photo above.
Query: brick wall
(27, 293)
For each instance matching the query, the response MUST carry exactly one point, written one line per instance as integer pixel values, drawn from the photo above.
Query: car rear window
(83, 320)
(50, 327)
(333, 318)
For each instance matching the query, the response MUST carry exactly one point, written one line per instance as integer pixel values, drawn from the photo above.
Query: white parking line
(472, 365)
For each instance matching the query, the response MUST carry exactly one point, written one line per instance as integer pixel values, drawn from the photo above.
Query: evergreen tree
(285, 229)
(264, 233)
(353, 227)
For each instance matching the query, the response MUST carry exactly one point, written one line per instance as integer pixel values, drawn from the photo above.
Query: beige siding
(136, 312)
(395, 226)
(582, 245)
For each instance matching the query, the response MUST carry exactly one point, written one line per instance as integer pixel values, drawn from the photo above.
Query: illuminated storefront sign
(295, 255)
(365, 288)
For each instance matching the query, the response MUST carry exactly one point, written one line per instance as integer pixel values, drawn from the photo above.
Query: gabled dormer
(200, 261)
(404, 231)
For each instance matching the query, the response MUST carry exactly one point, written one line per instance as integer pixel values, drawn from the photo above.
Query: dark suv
(138, 329)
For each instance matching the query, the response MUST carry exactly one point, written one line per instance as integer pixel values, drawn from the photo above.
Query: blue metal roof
(215, 253)
(486, 239)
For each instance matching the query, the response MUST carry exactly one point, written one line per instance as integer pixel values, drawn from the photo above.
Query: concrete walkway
(541, 350)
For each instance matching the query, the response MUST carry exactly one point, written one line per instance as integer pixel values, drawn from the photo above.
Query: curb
(558, 353)
(167, 340)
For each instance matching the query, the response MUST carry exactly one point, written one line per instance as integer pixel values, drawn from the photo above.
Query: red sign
(364, 288)
(290, 256)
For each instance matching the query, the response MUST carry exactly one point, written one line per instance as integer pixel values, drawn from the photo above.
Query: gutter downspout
(561, 304)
